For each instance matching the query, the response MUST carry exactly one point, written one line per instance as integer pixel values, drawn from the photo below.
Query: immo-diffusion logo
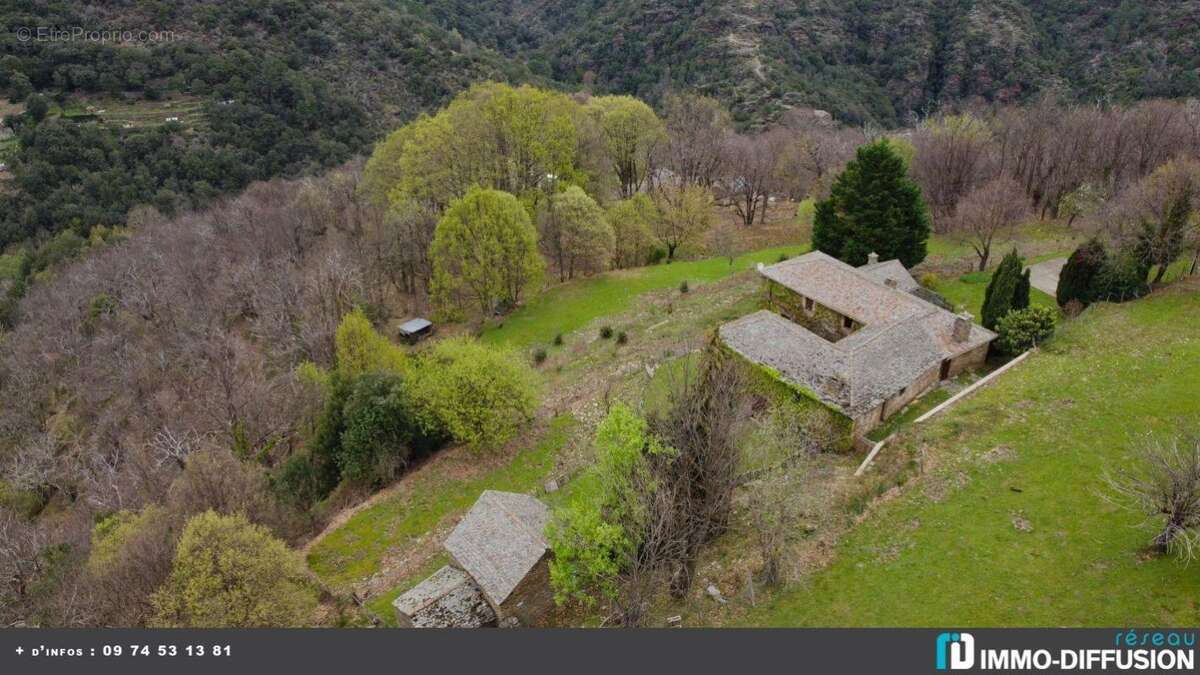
(955, 651)
(1131, 650)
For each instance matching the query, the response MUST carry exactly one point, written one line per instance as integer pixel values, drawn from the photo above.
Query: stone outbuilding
(861, 340)
(500, 572)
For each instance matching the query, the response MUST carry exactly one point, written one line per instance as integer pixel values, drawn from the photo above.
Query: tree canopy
(229, 573)
(873, 207)
(484, 251)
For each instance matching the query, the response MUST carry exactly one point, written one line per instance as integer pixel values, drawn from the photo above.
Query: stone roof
(902, 336)
(891, 270)
(447, 599)
(499, 541)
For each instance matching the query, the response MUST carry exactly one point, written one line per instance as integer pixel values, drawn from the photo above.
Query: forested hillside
(270, 89)
(864, 60)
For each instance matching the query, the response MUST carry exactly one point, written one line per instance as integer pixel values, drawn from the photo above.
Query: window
(847, 322)
(808, 304)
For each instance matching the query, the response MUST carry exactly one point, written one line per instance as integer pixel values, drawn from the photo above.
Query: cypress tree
(1002, 290)
(873, 206)
(1076, 281)
(1021, 295)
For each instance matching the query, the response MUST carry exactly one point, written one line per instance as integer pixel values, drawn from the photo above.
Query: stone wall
(820, 319)
(966, 361)
(531, 601)
(765, 382)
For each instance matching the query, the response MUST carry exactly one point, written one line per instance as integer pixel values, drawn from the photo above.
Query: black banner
(615, 652)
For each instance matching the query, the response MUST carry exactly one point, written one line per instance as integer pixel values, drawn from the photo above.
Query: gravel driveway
(1044, 275)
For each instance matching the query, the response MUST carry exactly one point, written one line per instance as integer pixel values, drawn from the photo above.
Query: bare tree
(1165, 484)
(952, 159)
(748, 173)
(696, 129)
(988, 213)
(707, 407)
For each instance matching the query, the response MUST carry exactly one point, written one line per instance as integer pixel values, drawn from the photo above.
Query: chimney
(872, 258)
(890, 283)
(962, 327)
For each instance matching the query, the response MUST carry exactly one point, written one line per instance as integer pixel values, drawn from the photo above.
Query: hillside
(271, 89)
(864, 60)
(1010, 522)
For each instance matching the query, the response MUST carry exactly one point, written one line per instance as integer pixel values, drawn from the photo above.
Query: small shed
(415, 330)
(447, 599)
(501, 544)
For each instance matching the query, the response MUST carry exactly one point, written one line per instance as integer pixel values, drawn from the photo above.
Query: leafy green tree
(360, 349)
(229, 573)
(575, 233)
(484, 250)
(36, 106)
(873, 207)
(1002, 292)
(631, 133)
(685, 214)
(632, 222)
(598, 535)
(481, 395)
(382, 429)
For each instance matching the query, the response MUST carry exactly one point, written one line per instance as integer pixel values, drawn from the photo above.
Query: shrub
(657, 255)
(381, 430)
(622, 338)
(1022, 329)
(480, 395)
(539, 355)
(930, 280)
(229, 573)
(782, 257)
(558, 340)
(683, 286)
(606, 332)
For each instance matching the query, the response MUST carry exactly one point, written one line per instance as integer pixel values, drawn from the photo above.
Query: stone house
(863, 341)
(500, 572)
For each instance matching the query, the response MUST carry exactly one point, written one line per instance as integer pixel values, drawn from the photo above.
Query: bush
(930, 280)
(683, 286)
(657, 255)
(622, 338)
(381, 430)
(229, 573)
(1023, 329)
(480, 395)
(606, 332)
(782, 257)
(539, 355)
(558, 340)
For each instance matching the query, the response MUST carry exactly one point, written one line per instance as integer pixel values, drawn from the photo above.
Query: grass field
(357, 549)
(968, 290)
(1009, 525)
(571, 306)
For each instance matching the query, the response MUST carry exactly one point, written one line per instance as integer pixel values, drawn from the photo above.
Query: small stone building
(500, 572)
(863, 341)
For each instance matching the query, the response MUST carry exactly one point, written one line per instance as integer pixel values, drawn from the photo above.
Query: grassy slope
(571, 306)
(968, 291)
(947, 551)
(356, 549)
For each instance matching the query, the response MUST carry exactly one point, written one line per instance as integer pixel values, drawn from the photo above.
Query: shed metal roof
(414, 325)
